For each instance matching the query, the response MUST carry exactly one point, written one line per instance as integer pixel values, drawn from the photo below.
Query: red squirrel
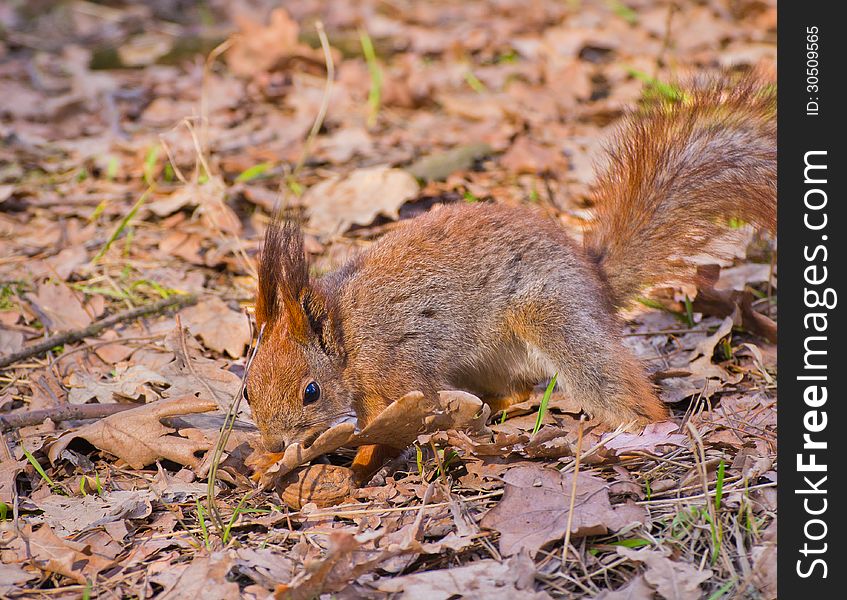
(493, 299)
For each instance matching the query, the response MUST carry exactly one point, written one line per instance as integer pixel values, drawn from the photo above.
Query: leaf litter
(474, 102)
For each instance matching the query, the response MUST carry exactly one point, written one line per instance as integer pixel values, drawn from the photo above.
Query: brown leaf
(764, 563)
(701, 358)
(9, 469)
(70, 515)
(131, 384)
(673, 580)
(204, 577)
(348, 556)
(257, 48)
(732, 302)
(221, 328)
(67, 261)
(137, 435)
(534, 509)
(12, 577)
(527, 156)
(323, 485)
(634, 589)
(512, 578)
(396, 426)
(71, 559)
(337, 203)
(653, 436)
(265, 566)
(59, 308)
(10, 341)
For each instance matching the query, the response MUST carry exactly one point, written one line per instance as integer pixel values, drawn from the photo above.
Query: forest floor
(144, 148)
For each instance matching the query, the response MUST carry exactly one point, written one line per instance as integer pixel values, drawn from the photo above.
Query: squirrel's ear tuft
(283, 279)
(286, 295)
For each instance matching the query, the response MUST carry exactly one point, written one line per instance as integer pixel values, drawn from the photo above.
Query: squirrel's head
(295, 386)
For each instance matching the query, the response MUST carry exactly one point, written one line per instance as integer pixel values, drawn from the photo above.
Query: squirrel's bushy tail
(678, 172)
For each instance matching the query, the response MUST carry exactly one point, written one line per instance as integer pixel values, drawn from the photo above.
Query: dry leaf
(701, 358)
(673, 580)
(527, 156)
(67, 261)
(489, 579)
(337, 203)
(221, 328)
(398, 426)
(332, 573)
(12, 577)
(653, 436)
(347, 557)
(323, 485)
(59, 308)
(71, 559)
(534, 509)
(265, 566)
(138, 437)
(765, 563)
(9, 469)
(69, 515)
(635, 589)
(131, 384)
(256, 48)
(204, 577)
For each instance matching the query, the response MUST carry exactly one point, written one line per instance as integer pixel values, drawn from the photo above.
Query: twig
(324, 107)
(69, 412)
(573, 491)
(223, 438)
(95, 328)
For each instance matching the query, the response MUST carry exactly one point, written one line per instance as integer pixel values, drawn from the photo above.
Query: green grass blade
(542, 410)
(375, 91)
(122, 225)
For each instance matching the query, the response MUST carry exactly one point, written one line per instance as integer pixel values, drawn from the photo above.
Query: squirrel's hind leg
(591, 363)
(501, 403)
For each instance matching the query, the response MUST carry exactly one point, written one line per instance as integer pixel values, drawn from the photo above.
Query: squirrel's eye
(246, 397)
(311, 393)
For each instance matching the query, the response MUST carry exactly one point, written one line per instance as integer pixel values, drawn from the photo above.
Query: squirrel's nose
(275, 445)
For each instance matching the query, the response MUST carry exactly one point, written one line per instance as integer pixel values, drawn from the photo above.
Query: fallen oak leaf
(71, 559)
(12, 577)
(203, 577)
(722, 299)
(672, 580)
(534, 509)
(221, 328)
(397, 426)
(9, 470)
(337, 203)
(347, 558)
(59, 308)
(69, 515)
(634, 589)
(701, 357)
(653, 436)
(138, 437)
(257, 48)
(512, 578)
(323, 485)
(130, 384)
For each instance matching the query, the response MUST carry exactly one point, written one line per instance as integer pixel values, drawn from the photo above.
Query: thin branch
(69, 412)
(95, 328)
(577, 458)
